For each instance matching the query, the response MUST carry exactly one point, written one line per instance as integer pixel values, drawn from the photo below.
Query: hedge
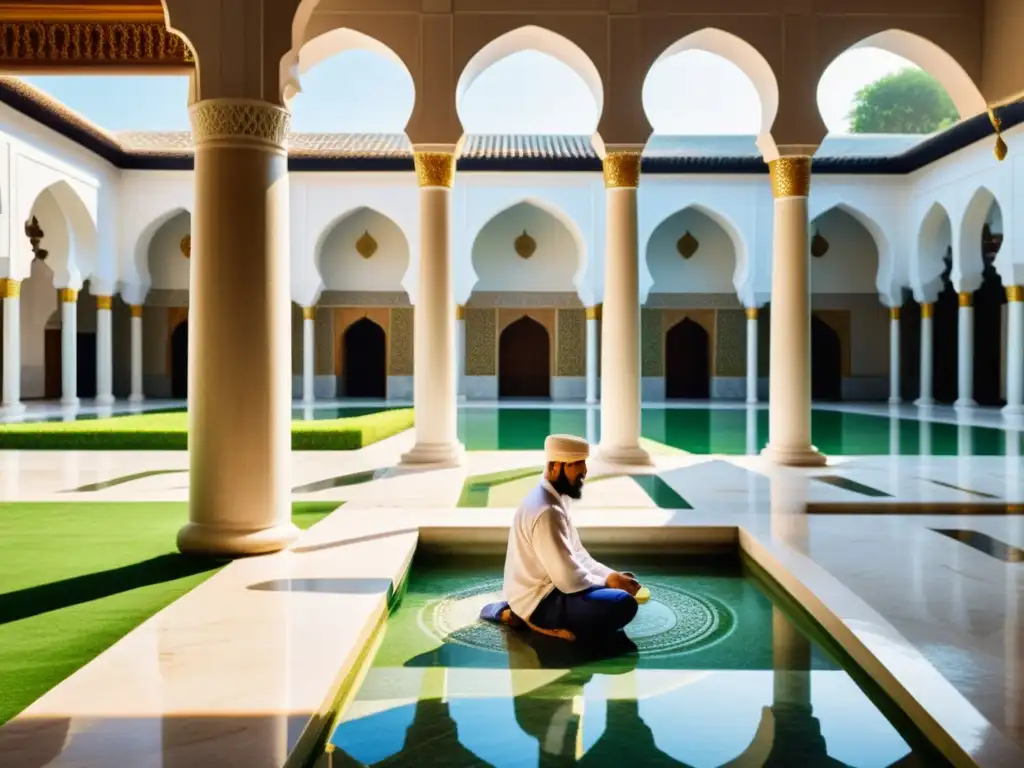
(169, 432)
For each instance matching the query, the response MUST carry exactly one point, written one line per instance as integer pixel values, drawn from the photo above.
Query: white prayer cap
(566, 448)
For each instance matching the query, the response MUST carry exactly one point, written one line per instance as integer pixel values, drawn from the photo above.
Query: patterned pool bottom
(675, 621)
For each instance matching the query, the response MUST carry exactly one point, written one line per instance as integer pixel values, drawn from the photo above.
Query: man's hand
(623, 581)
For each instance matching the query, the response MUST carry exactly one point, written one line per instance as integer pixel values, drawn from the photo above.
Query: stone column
(104, 351)
(789, 398)
(10, 294)
(965, 352)
(308, 355)
(593, 352)
(925, 398)
(620, 335)
(434, 389)
(1014, 351)
(894, 356)
(460, 351)
(751, 355)
(69, 346)
(240, 332)
(136, 361)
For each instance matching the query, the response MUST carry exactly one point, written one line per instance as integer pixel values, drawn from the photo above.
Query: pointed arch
(386, 268)
(140, 252)
(934, 237)
(972, 225)
(886, 281)
(533, 38)
(75, 260)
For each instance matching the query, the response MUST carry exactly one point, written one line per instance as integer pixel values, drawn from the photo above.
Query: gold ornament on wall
(525, 245)
(366, 246)
(35, 235)
(186, 246)
(687, 245)
(819, 245)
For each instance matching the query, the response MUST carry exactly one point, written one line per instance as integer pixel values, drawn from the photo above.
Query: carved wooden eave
(41, 36)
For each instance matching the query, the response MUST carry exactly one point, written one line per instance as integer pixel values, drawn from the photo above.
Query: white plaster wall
(851, 263)
(553, 266)
(38, 304)
(55, 232)
(148, 200)
(344, 269)
(709, 270)
(168, 267)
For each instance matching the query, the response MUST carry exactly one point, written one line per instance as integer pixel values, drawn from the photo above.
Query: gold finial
(687, 245)
(366, 246)
(525, 245)
(997, 124)
(790, 176)
(621, 170)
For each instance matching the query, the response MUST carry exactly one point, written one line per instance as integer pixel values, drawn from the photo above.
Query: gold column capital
(309, 313)
(790, 176)
(621, 170)
(594, 312)
(68, 295)
(239, 121)
(9, 288)
(434, 168)
(136, 310)
(1014, 293)
(460, 311)
(104, 302)
(751, 313)
(965, 298)
(894, 313)
(927, 310)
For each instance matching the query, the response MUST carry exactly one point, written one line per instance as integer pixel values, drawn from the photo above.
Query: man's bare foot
(561, 634)
(509, 619)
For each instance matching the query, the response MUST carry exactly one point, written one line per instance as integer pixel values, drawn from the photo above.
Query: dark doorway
(52, 382)
(179, 362)
(826, 362)
(988, 336)
(524, 353)
(364, 352)
(687, 362)
(910, 348)
(86, 364)
(945, 348)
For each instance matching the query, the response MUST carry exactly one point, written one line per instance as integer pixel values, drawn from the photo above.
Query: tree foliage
(908, 101)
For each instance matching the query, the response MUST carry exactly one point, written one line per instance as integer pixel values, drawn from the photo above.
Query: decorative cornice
(85, 12)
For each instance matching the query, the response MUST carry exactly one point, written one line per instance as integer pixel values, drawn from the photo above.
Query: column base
(13, 409)
(439, 455)
(197, 539)
(633, 456)
(134, 398)
(1013, 410)
(924, 402)
(70, 402)
(808, 456)
(965, 403)
(105, 400)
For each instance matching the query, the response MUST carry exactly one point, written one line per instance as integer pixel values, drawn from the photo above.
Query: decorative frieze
(730, 350)
(60, 44)
(481, 342)
(401, 352)
(572, 344)
(651, 343)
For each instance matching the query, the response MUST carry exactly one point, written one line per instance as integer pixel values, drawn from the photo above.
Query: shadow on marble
(327, 586)
(351, 541)
(985, 544)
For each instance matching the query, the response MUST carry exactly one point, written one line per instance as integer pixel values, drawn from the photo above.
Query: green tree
(908, 101)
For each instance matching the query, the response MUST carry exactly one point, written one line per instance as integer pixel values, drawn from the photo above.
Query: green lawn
(169, 432)
(76, 577)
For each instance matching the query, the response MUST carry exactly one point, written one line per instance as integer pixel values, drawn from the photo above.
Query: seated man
(552, 584)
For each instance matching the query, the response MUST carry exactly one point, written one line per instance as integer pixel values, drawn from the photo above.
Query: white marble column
(894, 356)
(620, 331)
(924, 398)
(1014, 351)
(789, 397)
(593, 352)
(965, 352)
(308, 355)
(240, 377)
(104, 351)
(460, 351)
(751, 355)
(136, 354)
(434, 388)
(10, 295)
(68, 346)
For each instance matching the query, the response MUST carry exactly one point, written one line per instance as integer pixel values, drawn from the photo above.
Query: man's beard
(567, 488)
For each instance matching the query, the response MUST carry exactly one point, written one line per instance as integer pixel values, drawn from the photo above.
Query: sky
(693, 93)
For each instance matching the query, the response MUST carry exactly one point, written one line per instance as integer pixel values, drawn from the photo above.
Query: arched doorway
(687, 361)
(988, 327)
(826, 361)
(364, 352)
(179, 361)
(524, 354)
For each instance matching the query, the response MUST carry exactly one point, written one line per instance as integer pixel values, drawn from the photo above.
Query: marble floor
(912, 558)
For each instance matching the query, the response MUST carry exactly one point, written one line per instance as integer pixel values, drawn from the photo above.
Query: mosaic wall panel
(572, 343)
(730, 343)
(651, 346)
(481, 342)
(401, 362)
(164, 297)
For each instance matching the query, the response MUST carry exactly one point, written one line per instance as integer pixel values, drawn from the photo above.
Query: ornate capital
(791, 176)
(309, 313)
(927, 310)
(136, 310)
(751, 313)
(1014, 293)
(621, 170)
(894, 313)
(594, 312)
(9, 288)
(435, 169)
(965, 298)
(460, 312)
(246, 121)
(104, 302)
(68, 295)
